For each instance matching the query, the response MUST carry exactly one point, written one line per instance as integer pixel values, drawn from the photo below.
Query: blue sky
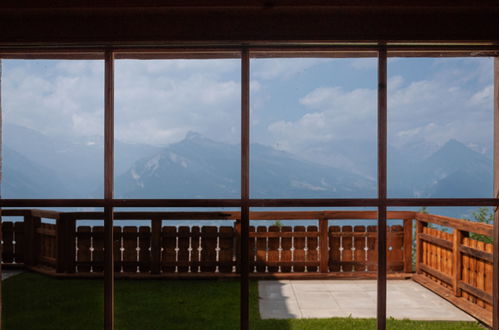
(303, 106)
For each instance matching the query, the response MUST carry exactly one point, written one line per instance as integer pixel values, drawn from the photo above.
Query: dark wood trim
(436, 240)
(382, 168)
(108, 191)
(245, 188)
(305, 202)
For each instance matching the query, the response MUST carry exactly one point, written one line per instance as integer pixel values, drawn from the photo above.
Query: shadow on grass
(33, 301)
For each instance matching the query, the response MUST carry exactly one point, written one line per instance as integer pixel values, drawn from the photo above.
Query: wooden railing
(452, 264)
(344, 251)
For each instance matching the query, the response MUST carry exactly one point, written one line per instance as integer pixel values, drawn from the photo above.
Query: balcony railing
(447, 258)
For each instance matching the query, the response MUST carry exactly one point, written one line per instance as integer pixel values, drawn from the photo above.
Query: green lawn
(33, 301)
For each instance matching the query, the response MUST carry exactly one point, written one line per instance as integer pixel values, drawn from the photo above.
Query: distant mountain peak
(194, 136)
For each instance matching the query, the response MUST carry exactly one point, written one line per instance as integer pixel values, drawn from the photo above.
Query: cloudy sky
(298, 105)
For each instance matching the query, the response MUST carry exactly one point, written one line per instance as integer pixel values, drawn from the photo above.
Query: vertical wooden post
(456, 261)
(60, 245)
(156, 245)
(419, 245)
(382, 152)
(245, 150)
(408, 245)
(28, 240)
(108, 190)
(495, 292)
(323, 245)
(70, 242)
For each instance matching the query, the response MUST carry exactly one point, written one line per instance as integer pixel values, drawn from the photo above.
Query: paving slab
(406, 299)
(6, 273)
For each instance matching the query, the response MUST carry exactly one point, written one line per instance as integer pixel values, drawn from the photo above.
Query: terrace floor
(406, 299)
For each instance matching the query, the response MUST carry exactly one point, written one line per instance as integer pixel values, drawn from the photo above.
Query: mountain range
(39, 166)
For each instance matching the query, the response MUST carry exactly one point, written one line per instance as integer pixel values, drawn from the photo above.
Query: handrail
(460, 224)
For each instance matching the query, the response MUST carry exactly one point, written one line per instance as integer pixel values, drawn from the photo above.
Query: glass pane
(183, 262)
(177, 129)
(440, 127)
(313, 268)
(313, 125)
(56, 246)
(53, 128)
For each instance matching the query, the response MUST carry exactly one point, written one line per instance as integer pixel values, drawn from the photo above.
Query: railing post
(60, 237)
(323, 245)
(155, 245)
(70, 242)
(419, 245)
(456, 262)
(408, 245)
(31, 240)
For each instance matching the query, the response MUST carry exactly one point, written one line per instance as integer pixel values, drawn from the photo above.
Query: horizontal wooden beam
(435, 273)
(435, 240)
(487, 256)
(460, 224)
(487, 297)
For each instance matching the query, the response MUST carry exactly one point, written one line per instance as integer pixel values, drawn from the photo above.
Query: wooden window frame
(380, 50)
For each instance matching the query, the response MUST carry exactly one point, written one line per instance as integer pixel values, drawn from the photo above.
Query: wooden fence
(158, 249)
(454, 264)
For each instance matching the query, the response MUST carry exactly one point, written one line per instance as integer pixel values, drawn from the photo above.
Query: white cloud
(284, 68)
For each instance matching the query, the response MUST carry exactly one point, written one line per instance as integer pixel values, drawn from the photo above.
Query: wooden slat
(299, 249)
(8, 242)
(84, 234)
(144, 249)
(312, 254)
(407, 245)
(372, 251)
(195, 245)
(286, 245)
(169, 242)
(20, 242)
(261, 249)
(183, 248)
(98, 248)
(226, 246)
(360, 253)
(489, 273)
(323, 246)
(346, 253)
(130, 259)
(208, 247)
(334, 249)
(155, 245)
(117, 248)
(273, 249)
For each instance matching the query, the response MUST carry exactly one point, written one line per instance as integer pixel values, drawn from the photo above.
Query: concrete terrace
(343, 298)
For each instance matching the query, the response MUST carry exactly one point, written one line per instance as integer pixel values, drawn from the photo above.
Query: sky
(304, 106)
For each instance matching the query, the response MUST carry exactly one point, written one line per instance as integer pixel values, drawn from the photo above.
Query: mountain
(198, 167)
(23, 178)
(454, 170)
(76, 164)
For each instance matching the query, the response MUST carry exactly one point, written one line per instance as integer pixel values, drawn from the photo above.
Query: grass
(33, 301)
